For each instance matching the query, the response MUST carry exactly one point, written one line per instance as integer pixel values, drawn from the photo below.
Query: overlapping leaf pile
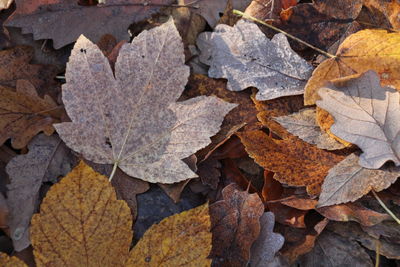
(186, 147)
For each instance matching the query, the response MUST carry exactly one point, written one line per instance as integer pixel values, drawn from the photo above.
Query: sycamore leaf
(303, 125)
(131, 120)
(82, 223)
(46, 160)
(235, 224)
(367, 115)
(247, 58)
(182, 239)
(23, 114)
(365, 50)
(13, 261)
(267, 244)
(348, 181)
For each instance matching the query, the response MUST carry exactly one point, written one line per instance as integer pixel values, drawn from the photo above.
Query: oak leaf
(182, 239)
(294, 162)
(247, 58)
(13, 261)
(235, 222)
(367, 115)
(348, 181)
(23, 114)
(365, 50)
(41, 18)
(82, 222)
(132, 120)
(46, 160)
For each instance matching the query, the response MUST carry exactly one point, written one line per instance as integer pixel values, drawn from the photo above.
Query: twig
(240, 13)
(385, 207)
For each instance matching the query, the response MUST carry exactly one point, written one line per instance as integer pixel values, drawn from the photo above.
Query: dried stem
(113, 170)
(385, 207)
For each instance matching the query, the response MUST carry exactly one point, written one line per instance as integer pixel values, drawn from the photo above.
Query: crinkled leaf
(82, 223)
(132, 119)
(348, 181)
(366, 114)
(247, 58)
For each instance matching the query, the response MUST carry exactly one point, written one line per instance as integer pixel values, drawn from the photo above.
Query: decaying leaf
(294, 162)
(82, 222)
(348, 181)
(46, 160)
(268, 9)
(389, 10)
(367, 115)
(365, 50)
(235, 222)
(23, 114)
(179, 240)
(303, 125)
(132, 120)
(13, 261)
(247, 58)
(52, 20)
(267, 244)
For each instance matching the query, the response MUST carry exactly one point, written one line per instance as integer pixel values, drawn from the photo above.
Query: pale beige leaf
(303, 124)
(4, 4)
(48, 158)
(367, 115)
(131, 118)
(348, 181)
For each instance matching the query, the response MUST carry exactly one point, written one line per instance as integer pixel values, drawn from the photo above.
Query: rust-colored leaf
(82, 222)
(293, 161)
(235, 224)
(183, 239)
(23, 114)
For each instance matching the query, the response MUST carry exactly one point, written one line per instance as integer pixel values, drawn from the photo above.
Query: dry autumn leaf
(365, 50)
(235, 222)
(23, 114)
(367, 115)
(52, 20)
(13, 261)
(46, 160)
(132, 120)
(247, 58)
(4, 4)
(180, 240)
(294, 162)
(82, 223)
(348, 181)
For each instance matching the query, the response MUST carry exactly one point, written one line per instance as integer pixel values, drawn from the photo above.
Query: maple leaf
(294, 162)
(132, 120)
(41, 18)
(82, 222)
(183, 239)
(365, 50)
(348, 181)
(23, 114)
(247, 58)
(366, 114)
(45, 161)
(13, 261)
(268, 243)
(303, 125)
(235, 224)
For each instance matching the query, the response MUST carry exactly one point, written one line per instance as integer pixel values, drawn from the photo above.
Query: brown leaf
(174, 191)
(235, 226)
(287, 215)
(113, 17)
(47, 159)
(180, 240)
(23, 114)
(7, 261)
(82, 222)
(293, 161)
(125, 119)
(272, 189)
(209, 172)
(267, 244)
(268, 9)
(389, 10)
(4, 213)
(348, 181)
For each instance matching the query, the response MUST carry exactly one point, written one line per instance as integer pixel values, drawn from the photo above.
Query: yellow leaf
(81, 223)
(180, 240)
(6, 261)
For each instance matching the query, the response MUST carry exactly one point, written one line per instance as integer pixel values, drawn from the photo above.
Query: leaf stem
(385, 207)
(244, 15)
(113, 170)
(378, 252)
